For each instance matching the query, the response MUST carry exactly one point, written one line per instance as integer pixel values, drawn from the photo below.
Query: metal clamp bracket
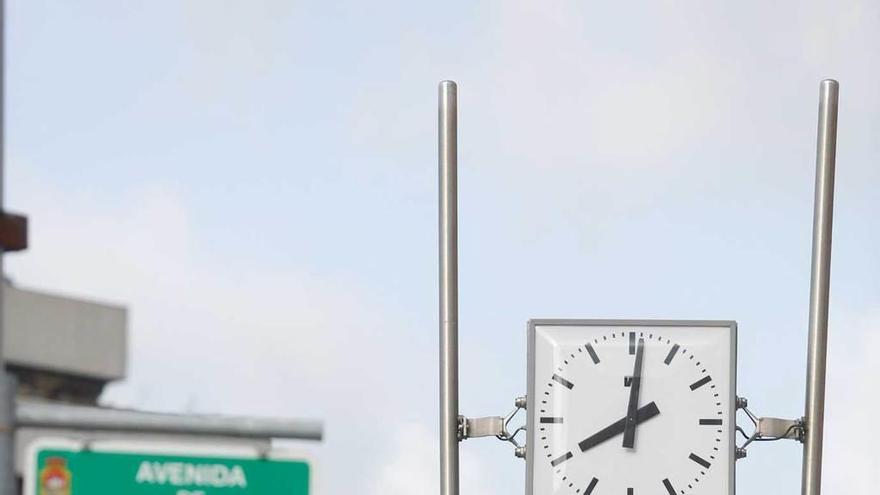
(495, 426)
(490, 426)
(767, 429)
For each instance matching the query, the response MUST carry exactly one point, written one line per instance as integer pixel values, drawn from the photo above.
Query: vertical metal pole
(8, 483)
(823, 211)
(448, 157)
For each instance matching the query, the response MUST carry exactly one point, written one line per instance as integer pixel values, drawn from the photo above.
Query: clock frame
(536, 381)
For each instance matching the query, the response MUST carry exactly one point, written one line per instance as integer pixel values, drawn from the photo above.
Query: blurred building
(63, 351)
(60, 348)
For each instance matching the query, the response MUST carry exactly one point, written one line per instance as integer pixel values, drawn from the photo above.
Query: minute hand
(644, 413)
(629, 431)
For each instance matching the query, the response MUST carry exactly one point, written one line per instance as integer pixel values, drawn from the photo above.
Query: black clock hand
(644, 413)
(629, 432)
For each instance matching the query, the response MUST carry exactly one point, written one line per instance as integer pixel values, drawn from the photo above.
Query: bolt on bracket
(767, 429)
(494, 426)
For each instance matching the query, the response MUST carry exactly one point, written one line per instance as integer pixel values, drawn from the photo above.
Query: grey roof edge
(44, 414)
(633, 322)
(66, 296)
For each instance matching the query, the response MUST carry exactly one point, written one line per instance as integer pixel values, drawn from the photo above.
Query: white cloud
(414, 464)
(594, 106)
(851, 463)
(142, 251)
(231, 49)
(215, 337)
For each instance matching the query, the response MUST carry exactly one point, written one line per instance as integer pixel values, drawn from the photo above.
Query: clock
(631, 407)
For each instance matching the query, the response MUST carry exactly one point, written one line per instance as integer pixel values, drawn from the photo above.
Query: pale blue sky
(257, 182)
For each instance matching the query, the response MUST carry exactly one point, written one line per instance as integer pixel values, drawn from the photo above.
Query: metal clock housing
(631, 407)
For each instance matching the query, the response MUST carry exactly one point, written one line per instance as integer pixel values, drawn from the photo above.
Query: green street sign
(68, 471)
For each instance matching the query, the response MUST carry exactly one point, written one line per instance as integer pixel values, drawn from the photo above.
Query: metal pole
(8, 483)
(823, 211)
(448, 153)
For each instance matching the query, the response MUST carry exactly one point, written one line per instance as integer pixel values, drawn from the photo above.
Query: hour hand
(644, 413)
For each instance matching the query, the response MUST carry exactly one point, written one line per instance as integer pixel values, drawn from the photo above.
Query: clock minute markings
(699, 383)
(559, 460)
(592, 353)
(589, 489)
(551, 420)
(562, 381)
(672, 353)
(699, 460)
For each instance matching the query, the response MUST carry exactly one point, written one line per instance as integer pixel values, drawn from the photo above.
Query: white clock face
(631, 408)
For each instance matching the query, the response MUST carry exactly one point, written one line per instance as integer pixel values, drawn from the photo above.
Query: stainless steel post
(823, 211)
(448, 157)
(8, 483)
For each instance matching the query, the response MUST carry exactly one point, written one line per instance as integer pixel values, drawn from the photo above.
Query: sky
(257, 182)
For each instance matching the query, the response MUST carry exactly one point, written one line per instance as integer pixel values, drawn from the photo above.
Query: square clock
(631, 407)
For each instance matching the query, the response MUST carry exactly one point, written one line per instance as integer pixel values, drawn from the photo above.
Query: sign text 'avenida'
(187, 474)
